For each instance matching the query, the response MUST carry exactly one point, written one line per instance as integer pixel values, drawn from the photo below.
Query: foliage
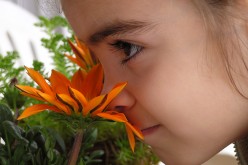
(46, 138)
(11, 75)
(7, 71)
(25, 146)
(56, 42)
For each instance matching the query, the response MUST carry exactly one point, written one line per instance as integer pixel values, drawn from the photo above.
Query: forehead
(87, 16)
(100, 9)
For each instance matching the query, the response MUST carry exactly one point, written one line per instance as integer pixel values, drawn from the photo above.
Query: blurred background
(17, 32)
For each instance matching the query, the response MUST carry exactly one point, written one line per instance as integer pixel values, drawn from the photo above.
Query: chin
(183, 158)
(181, 161)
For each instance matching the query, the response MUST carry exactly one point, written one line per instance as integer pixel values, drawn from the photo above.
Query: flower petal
(119, 117)
(88, 55)
(131, 138)
(80, 54)
(76, 61)
(93, 103)
(59, 82)
(32, 96)
(135, 130)
(30, 92)
(52, 100)
(78, 96)
(93, 83)
(36, 109)
(28, 89)
(78, 79)
(38, 78)
(111, 95)
(68, 100)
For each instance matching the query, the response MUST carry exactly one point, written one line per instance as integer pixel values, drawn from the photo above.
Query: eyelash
(129, 49)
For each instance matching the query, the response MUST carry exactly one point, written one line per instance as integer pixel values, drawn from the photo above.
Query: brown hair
(226, 25)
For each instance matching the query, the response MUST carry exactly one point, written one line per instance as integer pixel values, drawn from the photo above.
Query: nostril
(120, 108)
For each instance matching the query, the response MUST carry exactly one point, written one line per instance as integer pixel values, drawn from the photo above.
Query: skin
(177, 93)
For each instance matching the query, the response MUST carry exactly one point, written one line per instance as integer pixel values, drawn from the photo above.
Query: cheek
(183, 99)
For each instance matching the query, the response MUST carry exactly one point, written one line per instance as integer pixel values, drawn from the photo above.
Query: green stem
(16, 112)
(76, 148)
(7, 143)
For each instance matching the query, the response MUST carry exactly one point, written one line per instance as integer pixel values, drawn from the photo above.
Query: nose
(123, 101)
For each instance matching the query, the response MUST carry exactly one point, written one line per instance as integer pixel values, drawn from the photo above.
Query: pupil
(126, 47)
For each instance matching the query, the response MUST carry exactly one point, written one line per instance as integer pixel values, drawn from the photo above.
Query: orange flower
(83, 58)
(81, 95)
(120, 117)
(44, 93)
(78, 95)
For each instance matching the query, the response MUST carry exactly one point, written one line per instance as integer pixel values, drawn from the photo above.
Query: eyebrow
(118, 28)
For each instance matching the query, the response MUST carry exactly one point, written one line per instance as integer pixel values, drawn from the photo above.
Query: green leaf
(27, 157)
(54, 156)
(3, 152)
(40, 140)
(51, 24)
(81, 162)
(50, 142)
(90, 137)
(13, 97)
(33, 146)
(50, 154)
(39, 157)
(5, 114)
(97, 153)
(3, 161)
(58, 138)
(19, 152)
(14, 130)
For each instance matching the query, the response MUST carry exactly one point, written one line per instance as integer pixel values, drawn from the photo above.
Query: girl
(186, 66)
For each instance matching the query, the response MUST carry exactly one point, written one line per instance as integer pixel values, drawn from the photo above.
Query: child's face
(177, 94)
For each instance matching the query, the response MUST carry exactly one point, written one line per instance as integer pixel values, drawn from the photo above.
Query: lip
(150, 130)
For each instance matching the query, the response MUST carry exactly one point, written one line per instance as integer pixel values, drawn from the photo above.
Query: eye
(130, 50)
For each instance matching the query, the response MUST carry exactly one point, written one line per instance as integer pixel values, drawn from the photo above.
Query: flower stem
(16, 112)
(76, 148)
(7, 144)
